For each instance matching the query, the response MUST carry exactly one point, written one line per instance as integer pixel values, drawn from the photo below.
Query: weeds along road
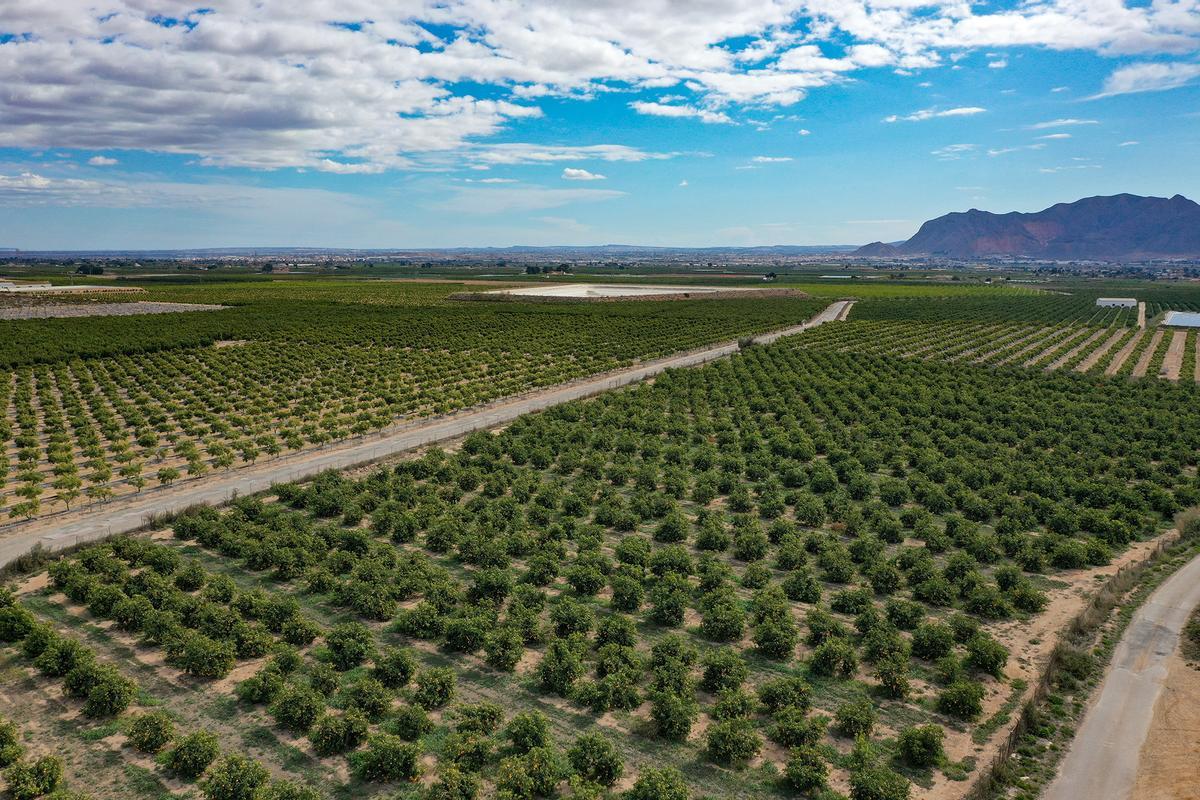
(128, 514)
(1102, 763)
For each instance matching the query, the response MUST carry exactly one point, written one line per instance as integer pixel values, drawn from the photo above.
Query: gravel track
(1173, 362)
(1102, 763)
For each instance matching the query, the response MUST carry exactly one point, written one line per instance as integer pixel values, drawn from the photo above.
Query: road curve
(1103, 760)
(127, 514)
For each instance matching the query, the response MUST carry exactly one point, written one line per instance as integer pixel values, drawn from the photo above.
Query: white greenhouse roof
(1183, 319)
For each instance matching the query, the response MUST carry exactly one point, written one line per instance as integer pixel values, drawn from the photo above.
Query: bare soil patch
(1074, 351)
(1167, 765)
(1124, 352)
(1094, 357)
(1139, 369)
(1173, 362)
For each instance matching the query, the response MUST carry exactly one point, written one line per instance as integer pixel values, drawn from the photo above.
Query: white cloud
(573, 174)
(683, 183)
(1130, 143)
(101, 161)
(522, 153)
(771, 159)
(933, 113)
(270, 84)
(952, 152)
(1058, 89)
(677, 111)
(1056, 136)
(1149, 77)
(1061, 123)
(804, 132)
(999, 63)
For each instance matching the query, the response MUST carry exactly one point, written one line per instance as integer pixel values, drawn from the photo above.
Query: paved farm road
(1103, 760)
(127, 514)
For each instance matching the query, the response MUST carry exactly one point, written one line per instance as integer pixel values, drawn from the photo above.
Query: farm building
(1182, 319)
(1116, 302)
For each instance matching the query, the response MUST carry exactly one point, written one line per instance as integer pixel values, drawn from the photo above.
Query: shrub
(855, 718)
(332, 734)
(394, 667)
(794, 728)
(673, 715)
(733, 741)
(932, 640)
(482, 718)
(110, 695)
(785, 692)
(286, 790)
(10, 746)
(435, 687)
(921, 745)
(834, 657)
(297, 707)
(192, 754)
(594, 758)
(368, 696)
(468, 751)
(559, 668)
(658, 784)
(723, 669)
(527, 730)
(776, 638)
(962, 699)
(349, 645)
(151, 732)
(29, 780)
(504, 648)
(234, 777)
(806, 770)
(410, 723)
(985, 654)
(387, 758)
(453, 784)
(877, 783)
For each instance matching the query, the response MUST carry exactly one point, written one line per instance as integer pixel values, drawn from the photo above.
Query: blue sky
(499, 122)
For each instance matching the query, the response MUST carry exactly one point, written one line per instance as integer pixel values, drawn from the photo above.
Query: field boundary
(1084, 624)
(54, 533)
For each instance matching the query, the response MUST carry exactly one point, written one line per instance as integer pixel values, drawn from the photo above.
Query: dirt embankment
(1167, 765)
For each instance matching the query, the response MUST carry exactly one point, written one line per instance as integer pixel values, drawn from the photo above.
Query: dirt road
(97, 522)
(1102, 763)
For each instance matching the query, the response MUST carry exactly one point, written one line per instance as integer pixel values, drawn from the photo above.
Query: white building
(1116, 302)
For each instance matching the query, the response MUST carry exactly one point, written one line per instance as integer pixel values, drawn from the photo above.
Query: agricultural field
(796, 572)
(105, 406)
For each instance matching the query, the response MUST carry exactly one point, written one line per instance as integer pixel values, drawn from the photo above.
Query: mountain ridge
(1104, 227)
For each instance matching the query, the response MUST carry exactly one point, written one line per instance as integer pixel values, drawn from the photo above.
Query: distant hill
(1123, 227)
(878, 250)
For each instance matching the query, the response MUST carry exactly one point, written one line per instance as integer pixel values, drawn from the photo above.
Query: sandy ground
(1124, 352)
(1167, 765)
(1074, 351)
(1030, 643)
(1103, 760)
(1141, 320)
(1099, 353)
(1139, 369)
(1173, 363)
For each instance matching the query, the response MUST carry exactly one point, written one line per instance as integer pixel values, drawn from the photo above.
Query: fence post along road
(131, 513)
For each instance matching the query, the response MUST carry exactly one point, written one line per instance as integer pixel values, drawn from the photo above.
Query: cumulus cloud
(667, 110)
(101, 161)
(1149, 77)
(933, 113)
(573, 174)
(275, 84)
